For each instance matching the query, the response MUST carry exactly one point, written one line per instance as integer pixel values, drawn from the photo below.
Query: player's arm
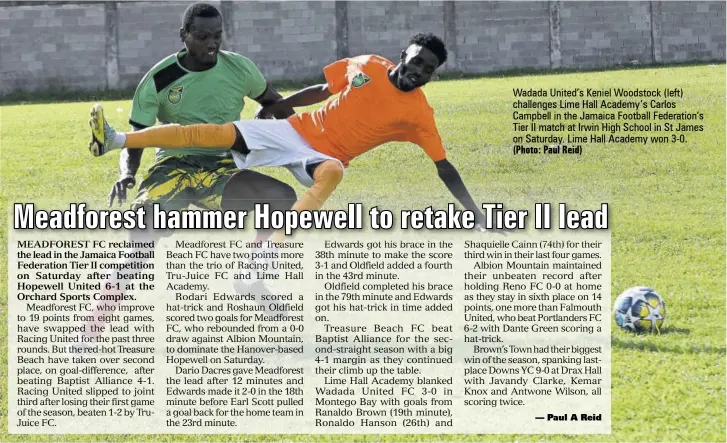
(260, 90)
(308, 96)
(426, 135)
(144, 110)
(129, 162)
(336, 81)
(271, 97)
(452, 180)
(305, 97)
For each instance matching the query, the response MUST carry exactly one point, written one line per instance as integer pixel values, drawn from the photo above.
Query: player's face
(203, 40)
(417, 66)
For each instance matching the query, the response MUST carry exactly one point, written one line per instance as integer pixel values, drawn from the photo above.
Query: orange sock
(325, 179)
(179, 137)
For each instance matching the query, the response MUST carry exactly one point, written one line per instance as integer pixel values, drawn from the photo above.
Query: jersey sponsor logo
(175, 94)
(360, 79)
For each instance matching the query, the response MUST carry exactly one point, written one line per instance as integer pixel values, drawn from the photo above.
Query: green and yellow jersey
(171, 94)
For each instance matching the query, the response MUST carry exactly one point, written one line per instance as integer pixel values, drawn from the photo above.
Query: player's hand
(118, 191)
(265, 112)
(278, 110)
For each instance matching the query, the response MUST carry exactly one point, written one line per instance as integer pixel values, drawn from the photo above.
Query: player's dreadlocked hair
(433, 43)
(198, 10)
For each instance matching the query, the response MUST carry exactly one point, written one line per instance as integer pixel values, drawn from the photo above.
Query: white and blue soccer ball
(640, 309)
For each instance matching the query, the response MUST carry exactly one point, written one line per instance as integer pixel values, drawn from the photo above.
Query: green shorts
(176, 182)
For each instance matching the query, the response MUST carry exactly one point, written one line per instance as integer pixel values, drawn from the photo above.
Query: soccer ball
(640, 309)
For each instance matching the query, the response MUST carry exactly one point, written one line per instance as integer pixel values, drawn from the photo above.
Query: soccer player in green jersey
(199, 84)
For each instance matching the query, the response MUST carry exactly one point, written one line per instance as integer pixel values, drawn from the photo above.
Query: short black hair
(198, 10)
(433, 43)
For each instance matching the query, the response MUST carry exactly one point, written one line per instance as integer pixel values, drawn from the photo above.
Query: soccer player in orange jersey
(375, 102)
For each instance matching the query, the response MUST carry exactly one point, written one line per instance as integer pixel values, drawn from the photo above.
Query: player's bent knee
(329, 172)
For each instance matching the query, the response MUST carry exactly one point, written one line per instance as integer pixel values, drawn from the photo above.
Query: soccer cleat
(102, 135)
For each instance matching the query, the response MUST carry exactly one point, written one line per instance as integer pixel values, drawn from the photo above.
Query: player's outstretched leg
(326, 178)
(207, 135)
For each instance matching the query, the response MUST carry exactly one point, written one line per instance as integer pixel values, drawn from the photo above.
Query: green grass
(667, 225)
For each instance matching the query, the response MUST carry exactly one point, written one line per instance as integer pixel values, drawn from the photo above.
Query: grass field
(667, 225)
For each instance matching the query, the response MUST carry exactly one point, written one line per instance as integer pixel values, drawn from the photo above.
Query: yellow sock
(325, 179)
(179, 137)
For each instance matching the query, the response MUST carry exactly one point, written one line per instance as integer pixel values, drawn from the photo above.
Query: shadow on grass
(668, 330)
(661, 347)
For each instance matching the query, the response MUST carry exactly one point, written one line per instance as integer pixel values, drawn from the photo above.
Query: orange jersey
(367, 112)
